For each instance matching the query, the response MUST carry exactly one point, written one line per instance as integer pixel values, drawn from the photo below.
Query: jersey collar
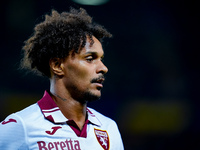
(52, 112)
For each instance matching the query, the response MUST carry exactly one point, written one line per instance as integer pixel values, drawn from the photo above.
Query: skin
(76, 77)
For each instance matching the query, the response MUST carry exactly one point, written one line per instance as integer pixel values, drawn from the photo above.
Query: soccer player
(66, 47)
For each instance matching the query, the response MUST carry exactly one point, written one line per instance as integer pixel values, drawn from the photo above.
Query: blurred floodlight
(91, 2)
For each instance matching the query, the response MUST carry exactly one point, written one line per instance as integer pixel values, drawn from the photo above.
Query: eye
(89, 58)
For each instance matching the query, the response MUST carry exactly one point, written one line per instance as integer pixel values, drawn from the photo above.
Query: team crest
(102, 138)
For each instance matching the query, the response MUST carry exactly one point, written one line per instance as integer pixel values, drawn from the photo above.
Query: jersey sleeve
(12, 134)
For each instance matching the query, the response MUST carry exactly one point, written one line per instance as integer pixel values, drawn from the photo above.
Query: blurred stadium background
(152, 88)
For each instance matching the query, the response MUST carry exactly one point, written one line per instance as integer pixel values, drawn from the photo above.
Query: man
(67, 49)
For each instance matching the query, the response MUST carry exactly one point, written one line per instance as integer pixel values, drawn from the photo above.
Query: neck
(71, 108)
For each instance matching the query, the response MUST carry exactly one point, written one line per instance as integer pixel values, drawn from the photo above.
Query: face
(84, 72)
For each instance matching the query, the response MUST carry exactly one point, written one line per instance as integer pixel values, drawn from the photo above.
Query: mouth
(99, 82)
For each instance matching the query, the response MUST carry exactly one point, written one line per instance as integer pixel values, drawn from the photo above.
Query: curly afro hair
(56, 36)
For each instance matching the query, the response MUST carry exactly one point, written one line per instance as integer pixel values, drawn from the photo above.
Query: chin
(89, 97)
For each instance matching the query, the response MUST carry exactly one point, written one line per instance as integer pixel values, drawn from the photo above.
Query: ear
(56, 66)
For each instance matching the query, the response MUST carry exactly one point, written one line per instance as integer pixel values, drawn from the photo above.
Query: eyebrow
(94, 53)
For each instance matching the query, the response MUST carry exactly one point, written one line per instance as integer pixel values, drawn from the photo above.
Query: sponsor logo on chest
(67, 144)
(102, 138)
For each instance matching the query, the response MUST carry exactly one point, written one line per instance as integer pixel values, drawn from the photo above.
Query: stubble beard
(84, 96)
(89, 97)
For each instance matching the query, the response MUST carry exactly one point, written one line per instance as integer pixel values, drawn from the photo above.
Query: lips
(99, 82)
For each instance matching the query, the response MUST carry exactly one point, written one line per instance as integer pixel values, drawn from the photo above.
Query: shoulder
(102, 118)
(18, 118)
(12, 133)
(28, 112)
(14, 128)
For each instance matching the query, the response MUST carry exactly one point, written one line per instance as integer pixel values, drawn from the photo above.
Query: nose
(102, 68)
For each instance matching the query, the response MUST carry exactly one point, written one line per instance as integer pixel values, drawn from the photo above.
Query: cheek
(80, 73)
(84, 76)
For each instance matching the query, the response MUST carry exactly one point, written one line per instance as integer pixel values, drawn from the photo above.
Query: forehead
(96, 47)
